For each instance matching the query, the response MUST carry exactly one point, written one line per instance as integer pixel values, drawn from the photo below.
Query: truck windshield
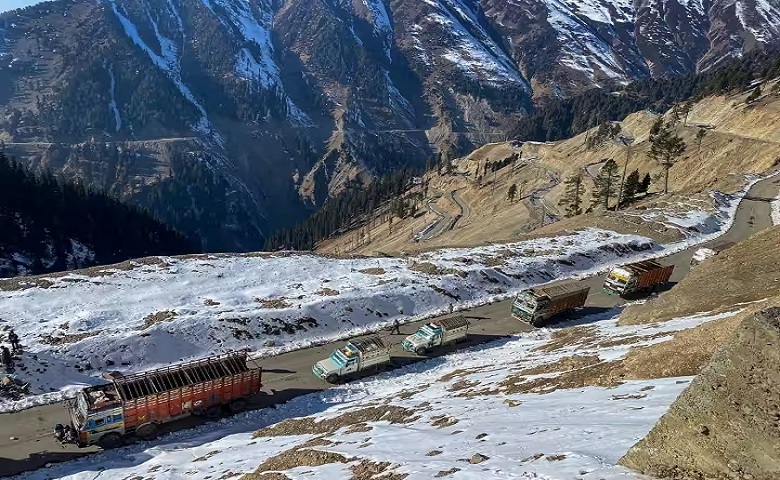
(80, 410)
(524, 303)
(339, 358)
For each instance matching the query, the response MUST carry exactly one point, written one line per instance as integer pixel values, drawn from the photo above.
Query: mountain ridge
(294, 101)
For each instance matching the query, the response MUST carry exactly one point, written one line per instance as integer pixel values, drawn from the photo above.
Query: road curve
(289, 375)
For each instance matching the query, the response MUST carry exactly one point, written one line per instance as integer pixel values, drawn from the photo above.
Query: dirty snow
(453, 408)
(776, 210)
(169, 309)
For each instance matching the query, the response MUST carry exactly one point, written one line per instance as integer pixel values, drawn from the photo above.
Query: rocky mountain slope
(282, 103)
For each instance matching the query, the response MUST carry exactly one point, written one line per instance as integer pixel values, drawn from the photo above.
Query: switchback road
(27, 443)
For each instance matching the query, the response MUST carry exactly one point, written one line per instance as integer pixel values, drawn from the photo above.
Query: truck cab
(356, 356)
(97, 416)
(341, 362)
(426, 337)
(620, 281)
(527, 304)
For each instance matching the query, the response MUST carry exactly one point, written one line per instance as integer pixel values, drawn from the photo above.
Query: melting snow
(169, 309)
(439, 413)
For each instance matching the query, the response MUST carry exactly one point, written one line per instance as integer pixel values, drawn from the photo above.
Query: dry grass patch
(570, 337)
(462, 384)
(300, 456)
(443, 421)
(458, 373)
(368, 470)
(512, 403)
(444, 473)
(684, 355)
(67, 339)
(373, 271)
(327, 292)
(433, 453)
(309, 425)
(274, 303)
(564, 364)
(159, 317)
(605, 374)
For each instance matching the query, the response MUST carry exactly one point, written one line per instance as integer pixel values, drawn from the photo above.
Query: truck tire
(213, 412)
(110, 440)
(421, 351)
(332, 379)
(147, 431)
(237, 405)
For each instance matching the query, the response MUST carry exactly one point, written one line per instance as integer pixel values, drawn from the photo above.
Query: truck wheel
(332, 378)
(110, 440)
(237, 405)
(213, 412)
(147, 431)
(421, 351)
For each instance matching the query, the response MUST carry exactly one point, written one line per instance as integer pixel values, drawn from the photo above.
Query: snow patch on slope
(478, 56)
(169, 63)
(762, 21)
(112, 106)
(439, 413)
(256, 63)
(168, 309)
(582, 49)
(382, 26)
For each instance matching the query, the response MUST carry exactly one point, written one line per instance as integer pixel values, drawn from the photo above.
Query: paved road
(289, 375)
(465, 211)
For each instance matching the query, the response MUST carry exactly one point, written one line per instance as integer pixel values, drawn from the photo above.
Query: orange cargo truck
(139, 404)
(638, 277)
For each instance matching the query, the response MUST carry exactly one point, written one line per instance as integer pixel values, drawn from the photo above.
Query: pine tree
(606, 183)
(754, 95)
(699, 139)
(644, 185)
(631, 187)
(572, 199)
(665, 147)
(510, 194)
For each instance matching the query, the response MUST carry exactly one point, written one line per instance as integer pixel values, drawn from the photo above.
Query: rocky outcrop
(726, 425)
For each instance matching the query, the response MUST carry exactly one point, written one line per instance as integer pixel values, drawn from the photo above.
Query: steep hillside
(48, 226)
(725, 425)
(286, 103)
(739, 139)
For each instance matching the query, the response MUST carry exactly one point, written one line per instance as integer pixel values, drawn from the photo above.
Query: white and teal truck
(356, 356)
(435, 334)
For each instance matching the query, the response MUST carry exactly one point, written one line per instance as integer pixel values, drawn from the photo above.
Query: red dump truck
(537, 305)
(139, 404)
(637, 277)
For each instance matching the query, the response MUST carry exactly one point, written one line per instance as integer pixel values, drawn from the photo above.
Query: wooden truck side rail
(167, 393)
(570, 301)
(656, 276)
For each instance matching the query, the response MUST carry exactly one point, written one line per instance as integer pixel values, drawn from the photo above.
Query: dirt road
(26, 442)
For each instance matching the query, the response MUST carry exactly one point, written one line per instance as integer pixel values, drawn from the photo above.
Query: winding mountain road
(27, 443)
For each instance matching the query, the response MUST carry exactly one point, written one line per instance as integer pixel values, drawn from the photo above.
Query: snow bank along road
(26, 442)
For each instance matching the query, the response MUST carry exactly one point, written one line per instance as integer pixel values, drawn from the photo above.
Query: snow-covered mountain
(284, 102)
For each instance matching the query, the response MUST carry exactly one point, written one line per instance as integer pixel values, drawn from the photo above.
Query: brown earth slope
(726, 425)
(747, 272)
(739, 139)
